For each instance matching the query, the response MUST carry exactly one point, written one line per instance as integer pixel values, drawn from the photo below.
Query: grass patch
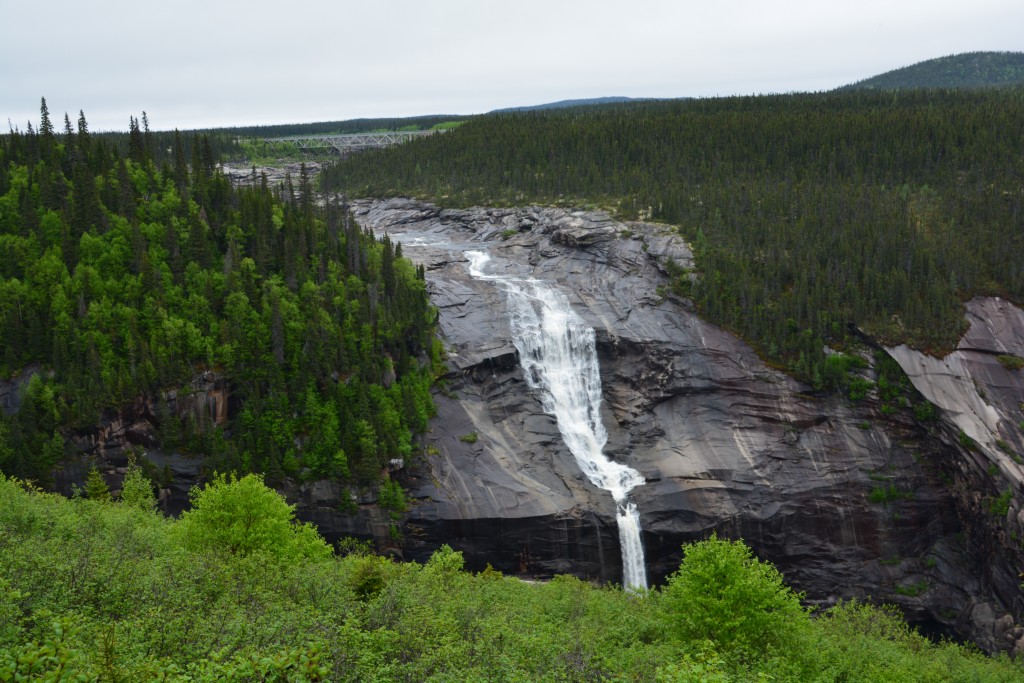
(913, 589)
(1010, 362)
(888, 494)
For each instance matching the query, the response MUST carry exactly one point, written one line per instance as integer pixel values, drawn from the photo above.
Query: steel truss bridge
(353, 142)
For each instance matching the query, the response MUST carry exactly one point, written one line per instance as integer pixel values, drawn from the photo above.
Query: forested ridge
(967, 70)
(810, 215)
(122, 277)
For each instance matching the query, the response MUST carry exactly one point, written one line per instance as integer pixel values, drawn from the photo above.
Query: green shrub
(887, 494)
(391, 496)
(925, 411)
(859, 388)
(1000, 505)
(244, 516)
(912, 589)
(137, 489)
(1010, 362)
(96, 486)
(723, 594)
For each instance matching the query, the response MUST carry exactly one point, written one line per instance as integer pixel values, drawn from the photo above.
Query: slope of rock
(981, 402)
(846, 501)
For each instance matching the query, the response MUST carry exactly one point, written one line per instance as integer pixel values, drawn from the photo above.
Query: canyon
(850, 499)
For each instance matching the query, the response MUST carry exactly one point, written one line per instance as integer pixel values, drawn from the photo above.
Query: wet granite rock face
(979, 392)
(846, 501)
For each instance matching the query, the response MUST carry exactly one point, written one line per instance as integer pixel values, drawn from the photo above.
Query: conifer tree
(47, 140)
(96, 486)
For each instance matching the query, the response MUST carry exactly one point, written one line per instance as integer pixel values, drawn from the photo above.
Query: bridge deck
(354, 141)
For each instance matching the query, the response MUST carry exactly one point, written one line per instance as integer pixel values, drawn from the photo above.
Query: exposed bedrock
(846, 501)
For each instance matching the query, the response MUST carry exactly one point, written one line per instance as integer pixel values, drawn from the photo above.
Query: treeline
(809, 214)
(341, 127)
(121, 278)
(235, 591)
(158, 146)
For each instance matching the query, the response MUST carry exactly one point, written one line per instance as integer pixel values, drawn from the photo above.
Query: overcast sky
(192, 63)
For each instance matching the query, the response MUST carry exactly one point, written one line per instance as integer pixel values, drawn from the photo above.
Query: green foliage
(124, 274)
(912, 589)
(706, 667)
(1010, 362)
(888, 494)
(835, 369)
(242, 516)
(966, 441)
(469, 438)
(392, 497)
(446, 125)
(859, 387)
(137, 489)
(96, 486)
(92, 591)
(723, 594)
(1000, 505)
(925, 411)
(865, 643)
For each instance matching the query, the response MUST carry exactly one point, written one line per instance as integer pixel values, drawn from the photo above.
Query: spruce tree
(96, 486)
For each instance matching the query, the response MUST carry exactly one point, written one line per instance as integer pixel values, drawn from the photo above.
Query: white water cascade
(557, 352)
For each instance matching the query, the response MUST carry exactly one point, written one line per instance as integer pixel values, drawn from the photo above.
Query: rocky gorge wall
(847, 500)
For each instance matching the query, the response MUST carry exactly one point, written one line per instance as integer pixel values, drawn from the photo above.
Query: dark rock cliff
(847, 501)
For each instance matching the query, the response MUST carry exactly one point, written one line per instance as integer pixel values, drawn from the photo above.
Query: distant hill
(968, 70)
(561, 104)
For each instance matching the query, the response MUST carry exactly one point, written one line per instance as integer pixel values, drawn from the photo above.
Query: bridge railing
(354, 141)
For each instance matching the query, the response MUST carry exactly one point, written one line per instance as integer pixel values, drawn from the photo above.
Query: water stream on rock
(559, 359)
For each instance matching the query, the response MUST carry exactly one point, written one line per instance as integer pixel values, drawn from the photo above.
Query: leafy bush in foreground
(94, 590)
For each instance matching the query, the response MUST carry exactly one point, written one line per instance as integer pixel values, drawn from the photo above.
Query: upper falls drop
(558, 356)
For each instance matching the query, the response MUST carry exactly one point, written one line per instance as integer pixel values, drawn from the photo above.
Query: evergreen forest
(968, 70)
(124, 276)
(813, 217)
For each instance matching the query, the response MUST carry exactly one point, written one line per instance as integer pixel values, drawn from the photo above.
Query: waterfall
(557, 352)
